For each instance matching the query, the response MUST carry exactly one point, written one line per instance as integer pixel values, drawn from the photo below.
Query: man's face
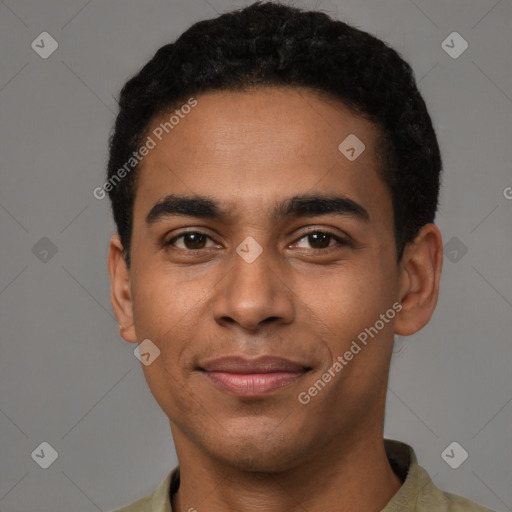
(305, 298)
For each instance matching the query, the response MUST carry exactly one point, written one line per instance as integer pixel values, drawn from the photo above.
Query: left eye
(321, 239)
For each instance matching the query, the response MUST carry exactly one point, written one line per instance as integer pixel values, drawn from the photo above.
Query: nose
(255, 294)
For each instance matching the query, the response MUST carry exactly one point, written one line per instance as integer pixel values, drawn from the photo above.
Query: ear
(420, 274)
(120, 290)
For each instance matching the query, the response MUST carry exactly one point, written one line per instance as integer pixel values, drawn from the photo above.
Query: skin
(248, 151)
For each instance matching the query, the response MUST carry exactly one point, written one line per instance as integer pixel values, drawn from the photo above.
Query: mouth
(244, 377)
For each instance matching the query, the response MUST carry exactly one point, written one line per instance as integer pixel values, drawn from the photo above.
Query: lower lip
(253, 384)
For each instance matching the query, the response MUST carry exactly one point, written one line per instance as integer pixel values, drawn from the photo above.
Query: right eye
(191, 241)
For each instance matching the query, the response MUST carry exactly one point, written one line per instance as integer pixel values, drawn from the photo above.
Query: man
(274, 178)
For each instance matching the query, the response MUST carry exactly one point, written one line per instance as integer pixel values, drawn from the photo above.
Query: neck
(353, 475)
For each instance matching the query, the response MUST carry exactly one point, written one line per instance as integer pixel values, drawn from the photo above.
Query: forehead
(250, 149)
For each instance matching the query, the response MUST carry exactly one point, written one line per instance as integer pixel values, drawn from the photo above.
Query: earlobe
(120, 290)
(419, 282)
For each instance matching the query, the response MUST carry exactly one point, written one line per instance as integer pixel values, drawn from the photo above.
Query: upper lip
(262, 364)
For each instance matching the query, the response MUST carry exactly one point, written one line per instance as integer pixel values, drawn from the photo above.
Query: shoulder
(433, 499)
(447, 502)
(460, 504)
(418, 492)
(142, 505)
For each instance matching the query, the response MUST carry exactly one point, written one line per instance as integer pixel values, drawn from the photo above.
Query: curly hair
(270, 44)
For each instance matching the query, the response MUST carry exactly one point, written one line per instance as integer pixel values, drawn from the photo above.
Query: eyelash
(340, 240)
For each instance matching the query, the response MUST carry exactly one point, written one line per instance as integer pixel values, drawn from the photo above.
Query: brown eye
(321, 240)
(191, 240)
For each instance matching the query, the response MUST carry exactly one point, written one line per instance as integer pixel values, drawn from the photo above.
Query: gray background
(67, 378)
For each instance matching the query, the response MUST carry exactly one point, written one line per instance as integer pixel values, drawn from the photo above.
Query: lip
(261, 364)
(253, 377)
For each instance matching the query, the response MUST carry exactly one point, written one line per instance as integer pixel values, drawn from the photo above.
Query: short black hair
(271, 44)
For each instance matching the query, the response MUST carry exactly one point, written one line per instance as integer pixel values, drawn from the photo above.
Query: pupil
(196, 240)
(323, 237)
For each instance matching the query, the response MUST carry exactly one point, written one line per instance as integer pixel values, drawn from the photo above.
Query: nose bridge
(252, 267)
(253, 292)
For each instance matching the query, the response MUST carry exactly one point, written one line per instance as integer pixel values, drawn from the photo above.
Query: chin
(258, 453)
(254, 461)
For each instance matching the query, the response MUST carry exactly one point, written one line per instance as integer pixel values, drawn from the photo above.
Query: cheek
(166, 312)
(345, 307)
(162, 303)
(345, 299)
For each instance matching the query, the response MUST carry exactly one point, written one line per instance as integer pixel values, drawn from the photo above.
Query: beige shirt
(417, 494)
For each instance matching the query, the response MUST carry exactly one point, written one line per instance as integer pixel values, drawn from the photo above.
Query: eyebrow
(296, 206)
